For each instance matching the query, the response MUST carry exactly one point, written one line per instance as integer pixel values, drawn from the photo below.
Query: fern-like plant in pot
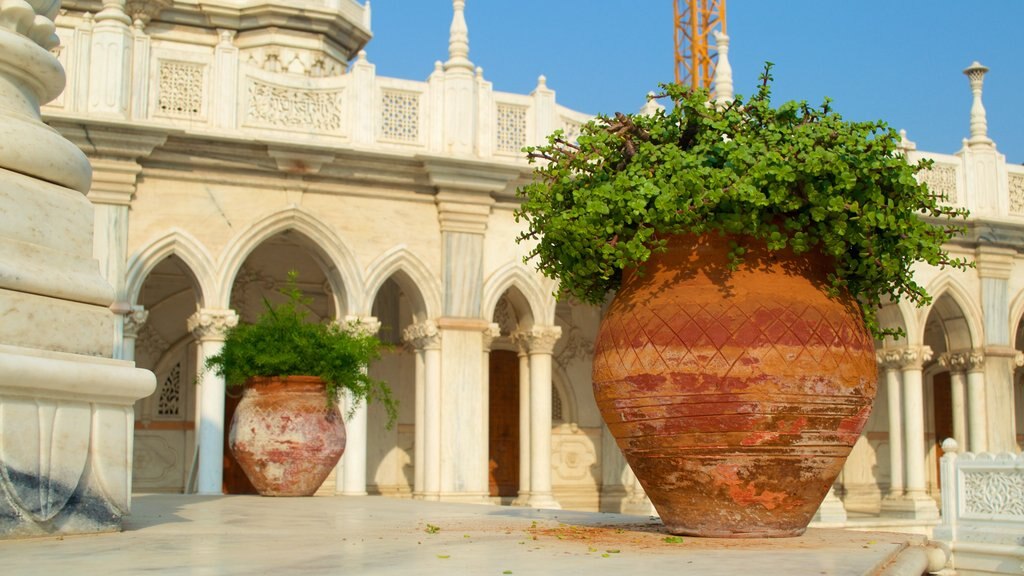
(287, 433)
(749, 247)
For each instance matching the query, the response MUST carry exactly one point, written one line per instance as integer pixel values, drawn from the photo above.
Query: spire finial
(458, 39)
(979, 124)
(723, 70)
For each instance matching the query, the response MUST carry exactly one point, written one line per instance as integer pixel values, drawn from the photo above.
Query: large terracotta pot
(285, 437)
(735, 397)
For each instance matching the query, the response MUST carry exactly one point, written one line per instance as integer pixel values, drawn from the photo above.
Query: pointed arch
(180, 243)
(412, 274)
(948, 286)
(334, 255)
(538, 292)
(1016, 316)
(903, 315)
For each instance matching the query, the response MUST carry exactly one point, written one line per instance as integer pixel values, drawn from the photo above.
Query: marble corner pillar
(541, 341)
(956, 363)
(464, 198)
(66, 405)
(209, 327)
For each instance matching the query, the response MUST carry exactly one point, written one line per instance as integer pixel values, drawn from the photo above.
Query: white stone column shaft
(542, 342)
(522, 499)
(210, 327)
(914, 437)
(489, 334)
(353, 461)
(977, 422)
(958, 393)
(432, 424)
(894, 395)
(418, 435)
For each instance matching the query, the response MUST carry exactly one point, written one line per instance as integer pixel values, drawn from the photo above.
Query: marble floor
(248, 535)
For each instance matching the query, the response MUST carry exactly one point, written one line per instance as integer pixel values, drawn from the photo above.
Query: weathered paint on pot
(735, 396)
(285, 437)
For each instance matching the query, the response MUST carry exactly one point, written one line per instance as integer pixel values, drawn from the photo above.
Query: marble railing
(982, 510)
(210, 82)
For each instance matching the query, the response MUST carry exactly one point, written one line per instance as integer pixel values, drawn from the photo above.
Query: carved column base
(66, 432)
(921, 507)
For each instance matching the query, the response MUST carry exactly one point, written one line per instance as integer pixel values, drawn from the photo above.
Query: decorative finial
(361, 56)
(458, 39)
(723, 70)
(542, 82)
(367, 15)
(906, 144)
(979, 125)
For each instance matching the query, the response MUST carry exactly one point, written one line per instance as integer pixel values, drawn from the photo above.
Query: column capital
(423, 336)
(209, 324)
(360, 325)
(490, 333)
(134, 320)
(907, 358)
(539, 339)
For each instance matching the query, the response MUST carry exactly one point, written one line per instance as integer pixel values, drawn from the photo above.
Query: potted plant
(749, 247)
(287, 432)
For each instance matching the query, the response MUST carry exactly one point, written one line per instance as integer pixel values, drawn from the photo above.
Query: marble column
(977, 417)
(209, 326)
(353, 461)
(489, 334)
(541, 341)
(890, 361)
(66, 402)
(917, 504)
(133, 323)
(956, 363)
(523, 497)
(426, 339)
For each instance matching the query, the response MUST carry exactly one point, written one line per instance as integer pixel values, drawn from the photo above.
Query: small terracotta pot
(284, 435)
(735, 396)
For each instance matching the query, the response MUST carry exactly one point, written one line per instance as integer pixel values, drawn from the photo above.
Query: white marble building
(233, 141)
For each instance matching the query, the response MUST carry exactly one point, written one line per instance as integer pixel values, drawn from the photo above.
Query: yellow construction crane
(695, 55)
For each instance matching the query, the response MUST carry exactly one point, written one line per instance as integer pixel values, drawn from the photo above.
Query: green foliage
(283, 342)
(796, 177)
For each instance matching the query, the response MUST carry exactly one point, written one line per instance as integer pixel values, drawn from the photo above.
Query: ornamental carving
(134, 321)
(511, 130)
(180, 90)
(490, 333)
(904, 358)
(361, 325)
(209, 324)
(400, 116)
(570, 129)
(989, 492)
(577, 347)
(423, 335)
(149, 343)
(941, 181)
(318, 110)
(169, 401)
(1017, 193)
(505, 316)
(539, 339)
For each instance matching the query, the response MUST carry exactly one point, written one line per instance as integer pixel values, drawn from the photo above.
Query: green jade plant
(284, 342)
(795, 177)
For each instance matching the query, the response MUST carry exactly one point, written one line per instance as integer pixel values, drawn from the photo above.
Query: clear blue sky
(896, 60)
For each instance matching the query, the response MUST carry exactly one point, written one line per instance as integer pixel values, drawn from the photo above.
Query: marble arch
(963, 334)
(336, 257)
(193, 254)
(541, 305)
(414, 277)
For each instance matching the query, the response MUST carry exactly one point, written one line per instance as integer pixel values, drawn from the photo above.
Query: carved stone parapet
(361, 325)
(539, 339)
(134, 321)
(210, 324)
(490, 333)
(424, 335)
